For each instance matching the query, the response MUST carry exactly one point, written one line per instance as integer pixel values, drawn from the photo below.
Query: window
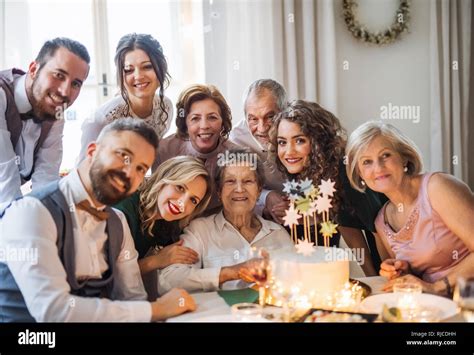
(99, 24)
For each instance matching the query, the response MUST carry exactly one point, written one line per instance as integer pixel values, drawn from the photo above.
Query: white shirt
(218, 244)
(274, 179)
(28, 224)
(17, 162)
(117, 108)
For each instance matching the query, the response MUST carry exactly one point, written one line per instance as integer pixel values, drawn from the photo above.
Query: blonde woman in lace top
(425, 229)
(142, 75)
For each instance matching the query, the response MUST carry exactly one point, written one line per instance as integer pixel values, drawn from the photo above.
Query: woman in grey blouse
(223, 240)
(142, 76)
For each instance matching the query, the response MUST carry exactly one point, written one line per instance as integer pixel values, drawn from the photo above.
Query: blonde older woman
(223, 241)
(425, 229)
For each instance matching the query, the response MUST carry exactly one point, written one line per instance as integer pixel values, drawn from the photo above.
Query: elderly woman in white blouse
(223, 241)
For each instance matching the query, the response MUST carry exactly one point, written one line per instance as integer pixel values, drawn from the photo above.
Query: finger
(389, 274)
(387, 267)
(179, 242)
(187, 255)
(190, 251)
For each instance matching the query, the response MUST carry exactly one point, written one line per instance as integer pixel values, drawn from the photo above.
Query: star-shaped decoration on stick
(292, 189)
(303, 204)
(306, 186)
(327, 187)
(328, 229)
(323, 204)
(291, 216)
(304, 247)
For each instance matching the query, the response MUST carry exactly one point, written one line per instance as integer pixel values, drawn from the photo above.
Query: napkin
(232, 297)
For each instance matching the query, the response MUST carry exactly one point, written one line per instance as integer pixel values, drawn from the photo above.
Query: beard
(41, 110)
(102, 187)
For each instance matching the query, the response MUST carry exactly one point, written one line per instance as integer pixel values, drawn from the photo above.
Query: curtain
(291, 41)
(451, 99)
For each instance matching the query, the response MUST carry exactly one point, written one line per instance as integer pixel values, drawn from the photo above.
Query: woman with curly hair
(177, 192)
(142, 76)
(308, 142)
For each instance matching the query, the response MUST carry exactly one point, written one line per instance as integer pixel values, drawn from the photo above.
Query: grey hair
(238, 152)
(275, 88)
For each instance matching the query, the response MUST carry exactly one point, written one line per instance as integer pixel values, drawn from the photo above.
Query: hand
(173, 303)
(175, 254)
(426, 286)
(275, 206)
(393, 268)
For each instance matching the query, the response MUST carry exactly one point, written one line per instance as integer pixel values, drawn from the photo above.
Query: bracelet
(448, 286)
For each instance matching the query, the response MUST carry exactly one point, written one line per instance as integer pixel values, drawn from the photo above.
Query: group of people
(109, 243)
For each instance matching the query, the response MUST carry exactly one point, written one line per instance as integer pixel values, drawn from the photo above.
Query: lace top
(117, 108)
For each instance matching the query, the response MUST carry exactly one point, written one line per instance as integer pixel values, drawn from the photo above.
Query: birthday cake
(321, 274)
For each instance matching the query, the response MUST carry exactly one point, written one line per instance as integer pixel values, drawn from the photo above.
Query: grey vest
(15, 119)
(12, 304)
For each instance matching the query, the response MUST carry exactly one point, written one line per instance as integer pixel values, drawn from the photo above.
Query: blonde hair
(360, 139)
(174, 171)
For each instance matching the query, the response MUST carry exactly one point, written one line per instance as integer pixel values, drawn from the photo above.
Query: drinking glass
(464, 297)
(259, 268)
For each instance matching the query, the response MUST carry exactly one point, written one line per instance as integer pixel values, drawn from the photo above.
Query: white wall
(397, 73)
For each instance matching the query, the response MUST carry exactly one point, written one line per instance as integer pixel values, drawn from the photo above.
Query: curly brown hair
(327, 138)
(195, 93)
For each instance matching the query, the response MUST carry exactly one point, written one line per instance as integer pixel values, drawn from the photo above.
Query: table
(211, 304)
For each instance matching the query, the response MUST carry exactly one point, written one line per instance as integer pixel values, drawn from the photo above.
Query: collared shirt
(17, 162)
(218, 244)
(274, 179)
(28, 224)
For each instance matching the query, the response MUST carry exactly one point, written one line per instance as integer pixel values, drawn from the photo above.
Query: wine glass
(259, 268)
(464, 297)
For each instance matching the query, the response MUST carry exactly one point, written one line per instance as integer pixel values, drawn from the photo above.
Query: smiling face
(380, 166)
(294, 147)
(139, 76)
(179, 201)
(119, 164)
(204, 123)
(240, 190)
(260, 110)
(57, 84)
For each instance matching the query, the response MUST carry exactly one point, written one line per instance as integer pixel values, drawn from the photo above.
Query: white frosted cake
(323, 273)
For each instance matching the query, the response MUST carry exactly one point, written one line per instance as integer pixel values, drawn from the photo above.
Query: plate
(446, 307)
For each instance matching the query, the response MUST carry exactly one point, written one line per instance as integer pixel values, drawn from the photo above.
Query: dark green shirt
(163, 233)
(358, 209)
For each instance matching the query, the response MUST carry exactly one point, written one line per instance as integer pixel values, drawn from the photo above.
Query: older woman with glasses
(223, 241)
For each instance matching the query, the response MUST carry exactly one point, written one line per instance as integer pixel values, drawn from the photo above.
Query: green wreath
(391, 34)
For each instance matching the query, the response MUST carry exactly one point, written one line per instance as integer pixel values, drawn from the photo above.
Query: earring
(405, 169)
(362, 182)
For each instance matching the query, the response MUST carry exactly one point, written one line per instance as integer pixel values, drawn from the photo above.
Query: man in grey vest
(67, 256)
(31, 112)
(263, 100)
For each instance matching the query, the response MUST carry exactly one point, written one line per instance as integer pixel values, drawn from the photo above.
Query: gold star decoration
(328, 229)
